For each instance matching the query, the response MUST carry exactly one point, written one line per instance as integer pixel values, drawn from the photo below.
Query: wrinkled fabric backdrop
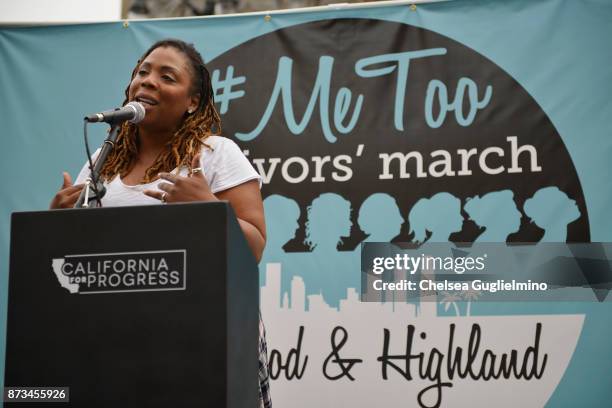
(458, 121)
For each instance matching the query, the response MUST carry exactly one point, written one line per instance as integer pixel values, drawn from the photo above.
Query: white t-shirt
(225, 166)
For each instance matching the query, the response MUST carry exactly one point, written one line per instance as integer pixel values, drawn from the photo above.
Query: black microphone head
(139, 111)
(133, 112)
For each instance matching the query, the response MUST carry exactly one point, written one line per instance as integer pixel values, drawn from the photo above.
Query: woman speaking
(172, 155)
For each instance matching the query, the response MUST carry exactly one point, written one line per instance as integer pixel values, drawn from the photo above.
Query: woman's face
(163, 84)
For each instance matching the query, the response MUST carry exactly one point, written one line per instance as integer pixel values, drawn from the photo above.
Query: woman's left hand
(194, 187)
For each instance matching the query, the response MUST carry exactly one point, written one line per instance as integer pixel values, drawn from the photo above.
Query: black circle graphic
(511, 112)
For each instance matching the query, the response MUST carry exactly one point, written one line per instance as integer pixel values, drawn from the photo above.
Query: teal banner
(461, 121)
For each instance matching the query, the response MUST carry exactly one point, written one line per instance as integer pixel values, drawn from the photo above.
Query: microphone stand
(88, 193)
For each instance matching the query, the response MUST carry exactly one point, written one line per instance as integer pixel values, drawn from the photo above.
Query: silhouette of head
(551, 209)
(380, 218)
(282, 216)
(497, 212)
(329, 218)
(440, 215)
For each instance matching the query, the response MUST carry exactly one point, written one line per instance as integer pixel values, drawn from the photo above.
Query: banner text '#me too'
(440, 163)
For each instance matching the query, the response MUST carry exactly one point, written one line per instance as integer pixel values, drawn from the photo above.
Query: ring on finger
(164, 198)
(196, 170)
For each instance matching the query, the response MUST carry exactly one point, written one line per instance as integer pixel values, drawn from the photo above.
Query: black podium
(152, 306)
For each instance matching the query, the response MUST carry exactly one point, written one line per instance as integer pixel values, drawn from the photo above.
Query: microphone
(133, 112)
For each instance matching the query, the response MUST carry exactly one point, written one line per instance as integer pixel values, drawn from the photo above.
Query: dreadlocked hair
(187, 141)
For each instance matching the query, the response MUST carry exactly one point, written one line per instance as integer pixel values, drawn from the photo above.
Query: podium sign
(152, 306)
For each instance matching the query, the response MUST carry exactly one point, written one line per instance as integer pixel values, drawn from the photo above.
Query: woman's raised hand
(68, 194)
(194, 187)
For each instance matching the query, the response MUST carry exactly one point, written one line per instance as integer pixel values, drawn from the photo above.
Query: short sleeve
(84, 173)
(228, 166)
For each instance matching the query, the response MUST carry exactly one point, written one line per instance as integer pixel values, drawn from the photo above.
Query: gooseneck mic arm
(94, 189)
(95, 192)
